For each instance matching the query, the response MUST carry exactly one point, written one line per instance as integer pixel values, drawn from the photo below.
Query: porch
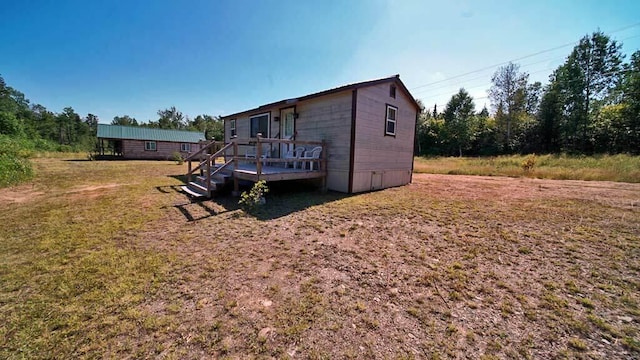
(215, 165)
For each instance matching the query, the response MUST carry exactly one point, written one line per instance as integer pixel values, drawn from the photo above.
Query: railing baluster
(259, 156)
(209, 176)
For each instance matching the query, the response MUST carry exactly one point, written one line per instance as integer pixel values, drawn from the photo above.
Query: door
(287, 128)
(376, 180)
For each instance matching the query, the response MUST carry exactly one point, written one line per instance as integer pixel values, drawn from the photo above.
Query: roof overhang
(395, 79)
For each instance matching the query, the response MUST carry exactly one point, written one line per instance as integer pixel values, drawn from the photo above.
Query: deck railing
(259, 159)
(206, 157)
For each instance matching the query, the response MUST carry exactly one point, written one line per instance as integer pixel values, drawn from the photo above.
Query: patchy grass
(622, 168)
(107, 259)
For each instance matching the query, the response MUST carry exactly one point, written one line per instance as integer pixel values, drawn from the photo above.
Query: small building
(134, 142)
(368, 129)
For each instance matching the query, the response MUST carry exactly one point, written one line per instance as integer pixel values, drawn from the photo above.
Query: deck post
(236, 186)
(189, 172)
(259, 156)
(322, 166)
(209, 176)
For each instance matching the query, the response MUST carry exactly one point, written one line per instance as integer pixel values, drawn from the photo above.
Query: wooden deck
(219, 163)
(249, 171)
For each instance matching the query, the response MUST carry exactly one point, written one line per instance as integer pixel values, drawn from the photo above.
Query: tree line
(68, 131)
(590, 105)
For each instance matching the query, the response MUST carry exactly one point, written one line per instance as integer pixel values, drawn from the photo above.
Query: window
(390, 123)
(392, 91)
(185, 147)
(150, 146)
(232, 127)
(260, 124)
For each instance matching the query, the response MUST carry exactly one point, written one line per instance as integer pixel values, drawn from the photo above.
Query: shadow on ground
(283, 198)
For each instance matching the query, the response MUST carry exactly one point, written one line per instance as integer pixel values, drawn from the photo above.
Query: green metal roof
(144, 133)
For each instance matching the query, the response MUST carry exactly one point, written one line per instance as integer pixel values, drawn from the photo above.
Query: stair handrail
(211, 158)
(221, 167)
(190, 157)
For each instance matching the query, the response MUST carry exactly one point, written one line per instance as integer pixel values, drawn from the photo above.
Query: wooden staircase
(212, 177)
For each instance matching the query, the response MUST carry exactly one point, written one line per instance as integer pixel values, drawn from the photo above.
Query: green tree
(549, 117)
(508, 93)
(171, 118)
(630, 86)
(124, 120)
(212, 126)
(69, 126)
(10, 124)
(92, 122)
(589, 76)
(44, 123)
(484, 141)
(458, 115)
(533, 98)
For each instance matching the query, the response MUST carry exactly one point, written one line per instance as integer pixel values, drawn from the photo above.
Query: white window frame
(389, 120)
(185, 147)
(150, 146)
(268, 114)
(232, 127)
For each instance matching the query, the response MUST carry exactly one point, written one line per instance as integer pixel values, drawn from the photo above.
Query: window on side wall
(260, 124)
(392, 91)
(232, 127)
(185, 147)
(390, 123)
(150, 146)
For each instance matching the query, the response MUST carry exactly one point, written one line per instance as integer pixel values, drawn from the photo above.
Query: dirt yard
(447, 267)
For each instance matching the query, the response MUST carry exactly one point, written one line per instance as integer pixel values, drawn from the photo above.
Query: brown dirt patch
(92, 191)
(19, 194)
(447, 267)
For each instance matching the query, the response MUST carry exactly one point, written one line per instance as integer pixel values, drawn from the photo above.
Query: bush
(14, 164)
(254, 197)
(528, 163)
(14, 170)
(177, 157)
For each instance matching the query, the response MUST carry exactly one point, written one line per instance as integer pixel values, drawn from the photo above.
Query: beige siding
(243, 130)
(380, 158)
(135, 149)
(325, 118)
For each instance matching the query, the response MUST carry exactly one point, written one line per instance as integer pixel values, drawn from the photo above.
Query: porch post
(236, 186)
(259, 156)
(323, 164)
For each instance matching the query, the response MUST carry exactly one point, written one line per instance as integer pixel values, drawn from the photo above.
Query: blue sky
(218, 57)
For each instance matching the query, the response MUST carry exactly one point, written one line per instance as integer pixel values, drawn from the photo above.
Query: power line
(569, 81)
(520, 58)
(459, 82)
(484, 76)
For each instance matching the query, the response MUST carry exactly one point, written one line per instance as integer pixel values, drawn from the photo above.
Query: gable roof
(144, 133)
(394, 78)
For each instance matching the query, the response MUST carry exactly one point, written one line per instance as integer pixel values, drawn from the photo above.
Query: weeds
(623, 168)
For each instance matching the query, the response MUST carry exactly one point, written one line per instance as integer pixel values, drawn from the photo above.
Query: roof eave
(349, 87)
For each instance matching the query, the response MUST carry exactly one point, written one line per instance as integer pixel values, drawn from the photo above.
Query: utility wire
(520, 58)
(570, 81)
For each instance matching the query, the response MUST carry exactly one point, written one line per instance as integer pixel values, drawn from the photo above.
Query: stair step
(214, 179)
(192, 193)
(198, 187)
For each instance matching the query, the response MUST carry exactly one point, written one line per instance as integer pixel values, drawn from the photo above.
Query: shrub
(14, 164)
(177, 157)
(528, 163)
(254, 197)
(10, 125)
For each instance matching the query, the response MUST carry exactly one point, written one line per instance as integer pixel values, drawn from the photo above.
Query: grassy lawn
(623, 168)
(108, 259)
